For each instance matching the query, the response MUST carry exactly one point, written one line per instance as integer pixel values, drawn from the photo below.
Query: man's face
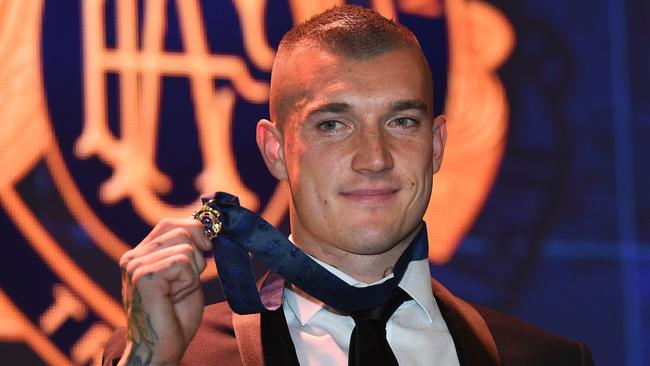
(358, 145)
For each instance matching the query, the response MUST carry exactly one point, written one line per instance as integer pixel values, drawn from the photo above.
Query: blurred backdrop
(117, 113)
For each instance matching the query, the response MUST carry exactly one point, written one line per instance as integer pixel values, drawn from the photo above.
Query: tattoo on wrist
(140, 331)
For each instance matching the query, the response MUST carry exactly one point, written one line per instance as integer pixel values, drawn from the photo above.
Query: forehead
(313, 76)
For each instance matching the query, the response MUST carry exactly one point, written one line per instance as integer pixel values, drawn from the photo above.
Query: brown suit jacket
(482, 337)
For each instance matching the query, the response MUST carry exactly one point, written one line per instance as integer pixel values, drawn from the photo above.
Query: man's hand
(161, 291)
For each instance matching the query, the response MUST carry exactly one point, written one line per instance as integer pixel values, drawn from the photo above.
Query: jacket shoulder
(520, 343)
(214, 340)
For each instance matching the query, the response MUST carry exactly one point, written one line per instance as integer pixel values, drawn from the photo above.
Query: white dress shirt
(416, 332)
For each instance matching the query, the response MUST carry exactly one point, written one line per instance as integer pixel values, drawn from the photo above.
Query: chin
(378, 223)
(373, 239)
(370, 247)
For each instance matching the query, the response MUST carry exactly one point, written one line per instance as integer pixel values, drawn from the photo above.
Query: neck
(367, 268)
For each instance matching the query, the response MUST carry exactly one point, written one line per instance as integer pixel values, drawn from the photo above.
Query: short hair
(351, 31)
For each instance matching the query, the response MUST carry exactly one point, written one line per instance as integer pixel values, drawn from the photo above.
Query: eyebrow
(396, 106)
(330, 108)
(404, 105)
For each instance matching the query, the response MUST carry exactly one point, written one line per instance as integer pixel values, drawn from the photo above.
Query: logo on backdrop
(78, 299)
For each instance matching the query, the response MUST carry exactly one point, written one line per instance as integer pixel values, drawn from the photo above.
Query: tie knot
(382, 312)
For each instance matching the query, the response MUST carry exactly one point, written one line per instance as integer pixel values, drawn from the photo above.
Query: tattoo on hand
(140, 332)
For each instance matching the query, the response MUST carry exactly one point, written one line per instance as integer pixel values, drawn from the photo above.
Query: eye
(404, 122)
(330, 126)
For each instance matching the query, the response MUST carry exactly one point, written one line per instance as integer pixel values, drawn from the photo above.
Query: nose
(372, 152)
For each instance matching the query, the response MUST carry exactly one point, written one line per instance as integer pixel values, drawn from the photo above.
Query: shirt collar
(416, 282)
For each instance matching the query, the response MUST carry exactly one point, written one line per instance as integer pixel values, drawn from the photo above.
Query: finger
(180, 295)
(196, 262)
(175, 237)
(166, 277)
(194, 228)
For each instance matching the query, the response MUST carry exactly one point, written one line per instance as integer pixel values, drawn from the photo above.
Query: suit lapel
(249, 341)
(472, 337)
(264, 339)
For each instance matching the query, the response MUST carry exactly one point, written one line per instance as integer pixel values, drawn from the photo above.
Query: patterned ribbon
(245, 232)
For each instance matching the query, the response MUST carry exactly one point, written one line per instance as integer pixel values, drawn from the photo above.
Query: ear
(269, 141)
(439, 139)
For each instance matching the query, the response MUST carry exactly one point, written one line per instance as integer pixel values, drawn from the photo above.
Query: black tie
(368, 344)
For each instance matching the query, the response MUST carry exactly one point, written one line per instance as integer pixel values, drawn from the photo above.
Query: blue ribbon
(245, 232)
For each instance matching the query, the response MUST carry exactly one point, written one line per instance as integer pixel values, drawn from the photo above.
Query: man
(352, 132)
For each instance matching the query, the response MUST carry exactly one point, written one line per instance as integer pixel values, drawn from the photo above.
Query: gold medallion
(209, 218)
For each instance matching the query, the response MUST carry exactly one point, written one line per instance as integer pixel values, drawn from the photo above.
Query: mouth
(370, 195)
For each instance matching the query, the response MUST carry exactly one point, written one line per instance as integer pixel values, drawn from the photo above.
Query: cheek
(305, 165)
(318, 165)
(321, 171)
(293, 153)
(416, 156)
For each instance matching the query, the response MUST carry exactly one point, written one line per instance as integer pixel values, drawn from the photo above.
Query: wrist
(135, 354)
